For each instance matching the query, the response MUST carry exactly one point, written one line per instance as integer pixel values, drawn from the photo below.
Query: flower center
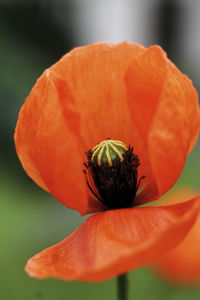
(111, 173)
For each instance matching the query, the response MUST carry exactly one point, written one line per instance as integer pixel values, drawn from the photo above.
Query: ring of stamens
(112, 175)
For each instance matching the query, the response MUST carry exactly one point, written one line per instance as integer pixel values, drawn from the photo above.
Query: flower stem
(122, 286)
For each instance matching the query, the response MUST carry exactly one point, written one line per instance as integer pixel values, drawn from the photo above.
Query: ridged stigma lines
(98, 151)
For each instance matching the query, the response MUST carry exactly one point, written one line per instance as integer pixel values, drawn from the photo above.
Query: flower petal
(191, 103)
(75, 104)
(169, 124)
(95, 75)
(170, 142)
(25, 132)
(46, 136)
(82, 99)
(114, 242)
(145, 79)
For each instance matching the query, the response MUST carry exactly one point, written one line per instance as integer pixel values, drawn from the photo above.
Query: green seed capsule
(107, 151)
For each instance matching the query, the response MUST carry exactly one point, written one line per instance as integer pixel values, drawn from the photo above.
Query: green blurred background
(33, 35)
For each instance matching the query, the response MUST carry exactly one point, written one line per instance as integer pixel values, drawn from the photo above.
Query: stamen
(112, 174)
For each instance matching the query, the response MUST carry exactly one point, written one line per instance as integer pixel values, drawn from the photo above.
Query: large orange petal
(116, 241)
(81, 100)
(26, 130)
(145, 80)
(170, 142)
(58, 146)
(164, 108)
(78, 101)
(95, 75)
(192, 108)
(46, 140)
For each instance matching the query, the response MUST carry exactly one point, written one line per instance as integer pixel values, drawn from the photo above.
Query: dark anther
(115, 186)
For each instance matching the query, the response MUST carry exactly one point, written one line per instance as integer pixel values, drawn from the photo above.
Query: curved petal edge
(116, 241)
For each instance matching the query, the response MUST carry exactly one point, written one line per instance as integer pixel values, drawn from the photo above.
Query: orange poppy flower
(131, 94)
(182, 264)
